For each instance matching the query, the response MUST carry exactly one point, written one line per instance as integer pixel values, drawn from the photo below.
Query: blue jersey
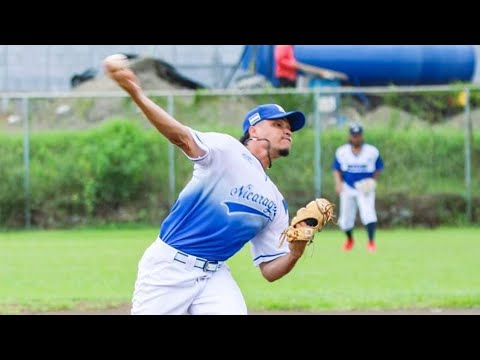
(355, 167)
(229, 201)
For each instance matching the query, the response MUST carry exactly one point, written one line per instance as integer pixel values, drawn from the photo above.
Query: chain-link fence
(92, 158)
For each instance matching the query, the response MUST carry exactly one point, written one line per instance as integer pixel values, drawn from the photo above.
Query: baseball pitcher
(229, 201)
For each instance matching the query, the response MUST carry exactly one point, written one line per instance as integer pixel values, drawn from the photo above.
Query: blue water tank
(368, 65)
(393, 64)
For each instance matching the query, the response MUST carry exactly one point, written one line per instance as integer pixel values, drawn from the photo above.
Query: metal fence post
(91, 56)
(217, 68)
(317, 147)
(4, 104)
(5, 74)
(26, 159)
(48, 86)
(171, 155)
(468, 157)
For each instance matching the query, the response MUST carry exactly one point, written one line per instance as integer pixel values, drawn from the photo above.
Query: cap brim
(296, 119)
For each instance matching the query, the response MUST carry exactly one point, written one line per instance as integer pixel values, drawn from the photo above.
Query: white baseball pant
(165, 286)
(350, 199)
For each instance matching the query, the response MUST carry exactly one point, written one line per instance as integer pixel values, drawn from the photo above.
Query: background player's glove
(366, 185)
(316, 215)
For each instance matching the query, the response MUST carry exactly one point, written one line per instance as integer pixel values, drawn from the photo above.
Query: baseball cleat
(371, 247)
(348, 245)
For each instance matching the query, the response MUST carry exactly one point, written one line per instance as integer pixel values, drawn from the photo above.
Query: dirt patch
(84, 113)
(125, 310)
(393, 118)
(458, 121)
(147, 71)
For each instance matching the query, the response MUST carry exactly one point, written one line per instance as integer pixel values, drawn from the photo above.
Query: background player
(285, 65)
(356, 168)
(229, 201)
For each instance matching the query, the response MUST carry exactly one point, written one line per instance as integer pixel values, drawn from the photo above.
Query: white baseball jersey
(229, 201)
(355, 167)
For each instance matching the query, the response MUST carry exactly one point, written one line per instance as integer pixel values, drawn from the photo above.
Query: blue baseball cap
(273, 112)
(356, 129)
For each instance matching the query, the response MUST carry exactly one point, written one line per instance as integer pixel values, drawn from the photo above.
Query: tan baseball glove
(316, 215)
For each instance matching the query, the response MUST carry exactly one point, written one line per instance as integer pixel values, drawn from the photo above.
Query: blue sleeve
(379, 164)
(336, 165)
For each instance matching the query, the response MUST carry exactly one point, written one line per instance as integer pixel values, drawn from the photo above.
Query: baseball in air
(115, 62)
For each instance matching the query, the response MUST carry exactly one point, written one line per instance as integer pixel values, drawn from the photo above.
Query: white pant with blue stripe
(166, 286)
(350, 200)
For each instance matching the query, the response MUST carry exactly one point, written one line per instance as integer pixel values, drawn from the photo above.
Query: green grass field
(96, 268)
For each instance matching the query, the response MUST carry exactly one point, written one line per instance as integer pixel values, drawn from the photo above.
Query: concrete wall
(50, 67)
